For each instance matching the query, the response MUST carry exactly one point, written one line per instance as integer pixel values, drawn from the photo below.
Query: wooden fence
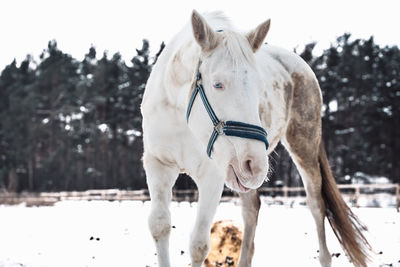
(352, 193)
(284, 195)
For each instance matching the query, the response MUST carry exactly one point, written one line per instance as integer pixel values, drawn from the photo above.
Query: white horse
(209, 82)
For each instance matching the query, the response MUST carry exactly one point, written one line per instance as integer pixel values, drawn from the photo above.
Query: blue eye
(218, 85)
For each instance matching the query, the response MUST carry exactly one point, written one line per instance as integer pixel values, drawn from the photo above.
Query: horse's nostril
(248, 166)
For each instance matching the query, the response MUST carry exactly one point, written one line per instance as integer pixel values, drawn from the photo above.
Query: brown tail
(346, 226)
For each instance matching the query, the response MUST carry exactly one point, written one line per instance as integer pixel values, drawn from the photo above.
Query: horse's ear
(256, 37)
(204, 35)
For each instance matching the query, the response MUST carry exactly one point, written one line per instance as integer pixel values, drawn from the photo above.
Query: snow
(66, 235)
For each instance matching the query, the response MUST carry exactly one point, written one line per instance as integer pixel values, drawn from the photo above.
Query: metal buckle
(220, 127)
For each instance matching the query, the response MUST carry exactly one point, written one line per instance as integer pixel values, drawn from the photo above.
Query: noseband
(228, 128)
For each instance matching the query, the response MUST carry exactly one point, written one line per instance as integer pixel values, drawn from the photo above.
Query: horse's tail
(346, 226)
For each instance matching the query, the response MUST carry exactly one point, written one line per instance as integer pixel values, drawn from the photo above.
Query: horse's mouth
(235, 180)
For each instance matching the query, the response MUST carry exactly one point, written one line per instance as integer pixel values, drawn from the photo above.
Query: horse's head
(231, 82)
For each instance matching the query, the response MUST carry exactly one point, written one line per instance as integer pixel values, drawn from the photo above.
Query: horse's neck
(180, 72)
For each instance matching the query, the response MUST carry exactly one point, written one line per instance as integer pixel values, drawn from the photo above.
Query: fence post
(357, 195)
(285, 194)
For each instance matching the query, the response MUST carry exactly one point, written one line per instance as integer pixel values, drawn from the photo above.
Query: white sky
(27, 25)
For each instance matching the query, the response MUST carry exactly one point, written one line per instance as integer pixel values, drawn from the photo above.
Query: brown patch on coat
(276, 86)
(304, 129)
(306, 97)
(178, 73)
(265, 114)
(287, 88)
(288, 97)
(192, 86)
(225, 242)
(175, 67)
(165, 104)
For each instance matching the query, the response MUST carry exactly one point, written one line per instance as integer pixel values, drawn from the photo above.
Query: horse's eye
(218, 85)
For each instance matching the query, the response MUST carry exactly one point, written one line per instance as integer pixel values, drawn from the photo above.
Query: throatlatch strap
(229, 128)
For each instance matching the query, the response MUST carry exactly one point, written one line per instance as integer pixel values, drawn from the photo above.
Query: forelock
(238, 48)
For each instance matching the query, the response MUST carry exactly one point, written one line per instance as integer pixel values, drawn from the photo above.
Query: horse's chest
(169, 139)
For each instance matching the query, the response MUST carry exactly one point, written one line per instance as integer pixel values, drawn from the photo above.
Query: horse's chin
(234, 183)
(240, 184)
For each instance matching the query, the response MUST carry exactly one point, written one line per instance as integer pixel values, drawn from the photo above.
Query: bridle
(228, 128)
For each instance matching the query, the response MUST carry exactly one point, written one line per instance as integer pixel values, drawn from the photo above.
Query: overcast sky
(119, 25)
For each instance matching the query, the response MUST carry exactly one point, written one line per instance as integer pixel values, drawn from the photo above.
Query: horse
(216, 104)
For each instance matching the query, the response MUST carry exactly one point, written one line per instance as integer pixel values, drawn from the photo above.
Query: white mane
(235, 42)
(238, 48)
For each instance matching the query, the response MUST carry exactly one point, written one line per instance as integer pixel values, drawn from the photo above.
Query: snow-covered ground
(100, 233)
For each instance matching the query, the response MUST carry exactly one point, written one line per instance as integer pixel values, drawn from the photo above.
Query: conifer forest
(75, 124)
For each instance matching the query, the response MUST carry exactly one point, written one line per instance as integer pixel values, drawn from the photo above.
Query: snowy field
(100, 233)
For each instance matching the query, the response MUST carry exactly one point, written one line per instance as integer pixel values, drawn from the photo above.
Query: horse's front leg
(210, 186)
(250, 207)
(160, 179)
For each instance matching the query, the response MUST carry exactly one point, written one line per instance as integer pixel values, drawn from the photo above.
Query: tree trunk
(31, 169)
(12, 181)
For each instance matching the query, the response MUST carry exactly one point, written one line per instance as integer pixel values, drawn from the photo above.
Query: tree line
(360, 84)
(68, 124)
